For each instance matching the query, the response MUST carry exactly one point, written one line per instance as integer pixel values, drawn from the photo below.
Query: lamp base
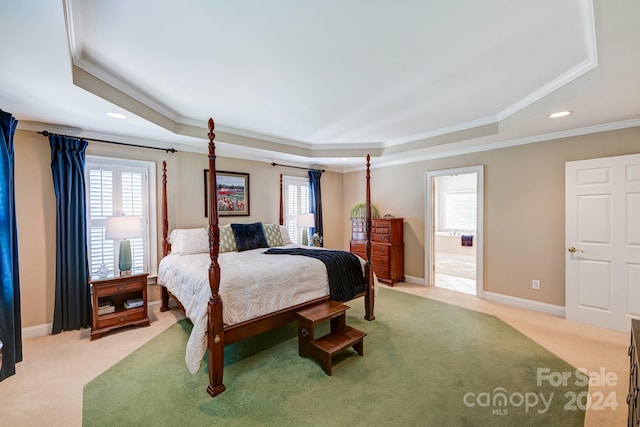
(124, 258)
(305, 237)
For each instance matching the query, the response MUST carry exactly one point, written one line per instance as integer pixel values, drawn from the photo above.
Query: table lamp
(124, 228)
(305, 221)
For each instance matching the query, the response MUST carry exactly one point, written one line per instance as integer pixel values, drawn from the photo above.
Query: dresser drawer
(120, 318)
(379, 261)
(380, 237)
(380, 250)
(380, 226)
(381, 272)
(358, 247)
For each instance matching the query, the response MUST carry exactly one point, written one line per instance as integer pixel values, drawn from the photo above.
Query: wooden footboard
(217, 334)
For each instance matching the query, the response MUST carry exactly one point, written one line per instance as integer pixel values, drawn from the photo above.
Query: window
(460, 211)
(296, 201)
(120, 187)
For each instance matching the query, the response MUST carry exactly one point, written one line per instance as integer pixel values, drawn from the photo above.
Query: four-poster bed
(218, 329)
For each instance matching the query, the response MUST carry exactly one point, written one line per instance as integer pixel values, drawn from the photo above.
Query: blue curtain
(315, 201)
(72, 309)
(10, 319)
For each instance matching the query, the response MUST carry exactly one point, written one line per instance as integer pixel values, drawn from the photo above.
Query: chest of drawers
(387, 249)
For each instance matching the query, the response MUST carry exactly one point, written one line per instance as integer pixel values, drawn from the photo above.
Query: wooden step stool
(337, 340)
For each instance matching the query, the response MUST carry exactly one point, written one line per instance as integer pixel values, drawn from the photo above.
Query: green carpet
(425, 363)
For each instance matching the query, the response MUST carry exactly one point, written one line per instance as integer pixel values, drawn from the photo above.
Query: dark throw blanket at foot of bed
(344, 270)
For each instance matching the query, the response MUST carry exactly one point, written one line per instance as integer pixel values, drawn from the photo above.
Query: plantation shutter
(296, 202)
(132, 204)
(101, 251)
(116, 189)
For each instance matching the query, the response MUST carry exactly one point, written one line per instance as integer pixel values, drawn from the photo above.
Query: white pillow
(286, 239)
(189, 241)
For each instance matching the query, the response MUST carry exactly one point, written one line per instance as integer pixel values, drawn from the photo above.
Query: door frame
(429, 230)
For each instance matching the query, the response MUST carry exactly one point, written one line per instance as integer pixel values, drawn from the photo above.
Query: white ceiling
(321, 82)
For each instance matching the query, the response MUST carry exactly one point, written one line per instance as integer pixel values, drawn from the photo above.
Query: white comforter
(251, 284)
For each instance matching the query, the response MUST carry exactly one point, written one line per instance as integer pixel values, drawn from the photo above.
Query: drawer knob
(121, 287)
(122, 318)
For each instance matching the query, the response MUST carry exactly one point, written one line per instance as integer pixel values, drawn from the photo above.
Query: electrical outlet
(535, 284)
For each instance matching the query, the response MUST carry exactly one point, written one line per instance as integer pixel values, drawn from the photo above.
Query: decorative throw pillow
(227, 239)
(286, 239)
(249, 236)
(273, 235)
(189, 241)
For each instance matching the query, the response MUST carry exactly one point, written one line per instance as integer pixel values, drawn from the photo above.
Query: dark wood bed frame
(219, 335)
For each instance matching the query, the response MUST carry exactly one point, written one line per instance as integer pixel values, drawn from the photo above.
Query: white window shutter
(116, 187)
(296, 199)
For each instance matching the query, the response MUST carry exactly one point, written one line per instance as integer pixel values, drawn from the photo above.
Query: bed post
(215, 330)
(368, 273)
(165, 233)
(281, 219)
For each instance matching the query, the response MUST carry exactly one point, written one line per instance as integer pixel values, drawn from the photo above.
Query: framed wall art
(232, 191)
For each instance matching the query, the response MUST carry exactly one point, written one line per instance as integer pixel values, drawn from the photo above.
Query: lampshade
(123, 227)
(306, 220)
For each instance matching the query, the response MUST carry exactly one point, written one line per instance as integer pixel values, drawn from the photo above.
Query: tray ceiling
(322, 82)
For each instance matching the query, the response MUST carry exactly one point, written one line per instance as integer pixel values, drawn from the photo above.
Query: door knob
(572, 249)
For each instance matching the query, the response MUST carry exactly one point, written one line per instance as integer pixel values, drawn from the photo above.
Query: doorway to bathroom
(454, 229)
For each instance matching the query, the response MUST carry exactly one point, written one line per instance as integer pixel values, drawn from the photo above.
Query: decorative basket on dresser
(387, 248)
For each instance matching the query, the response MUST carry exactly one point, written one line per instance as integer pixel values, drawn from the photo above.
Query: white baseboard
(37, 331)
(46, 328)
(414, 280)
(543, 307)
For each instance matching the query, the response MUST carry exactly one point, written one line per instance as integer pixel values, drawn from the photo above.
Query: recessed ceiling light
(559, 114)
(117, 115)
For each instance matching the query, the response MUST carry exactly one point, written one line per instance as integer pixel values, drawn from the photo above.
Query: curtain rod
(168, 150)
(297, 167)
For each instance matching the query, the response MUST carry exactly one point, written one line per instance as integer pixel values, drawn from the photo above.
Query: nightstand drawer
(120, 318)
(118, 288)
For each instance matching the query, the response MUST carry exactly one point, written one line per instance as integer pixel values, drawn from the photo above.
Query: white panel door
(602, 228)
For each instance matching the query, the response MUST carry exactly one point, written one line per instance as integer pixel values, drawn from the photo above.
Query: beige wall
(35, 205)
(524, 208)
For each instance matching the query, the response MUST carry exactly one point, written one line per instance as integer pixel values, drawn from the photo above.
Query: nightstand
(112, 299)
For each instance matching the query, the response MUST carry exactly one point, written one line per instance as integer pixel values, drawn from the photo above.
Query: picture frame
(232, 193)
